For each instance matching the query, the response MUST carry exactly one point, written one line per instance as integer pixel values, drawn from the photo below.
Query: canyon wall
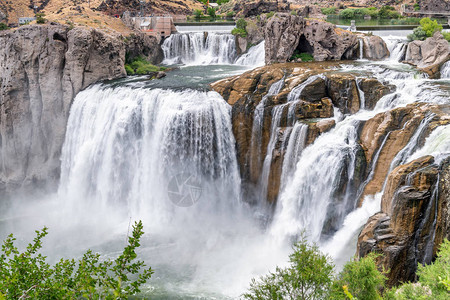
(42, 69)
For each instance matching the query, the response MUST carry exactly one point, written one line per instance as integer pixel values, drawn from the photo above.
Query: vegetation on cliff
(140, 66)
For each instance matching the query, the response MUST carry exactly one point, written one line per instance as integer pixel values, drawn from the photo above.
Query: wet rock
(343, 92)
(413, 221)
(375, 48)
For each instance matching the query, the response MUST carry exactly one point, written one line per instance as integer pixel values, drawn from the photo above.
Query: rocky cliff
(414, 218)
(42, 69)
(286, 34)
(304, 96)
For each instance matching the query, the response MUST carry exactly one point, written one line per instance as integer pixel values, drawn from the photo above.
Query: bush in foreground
(307, 277)
(28, 275)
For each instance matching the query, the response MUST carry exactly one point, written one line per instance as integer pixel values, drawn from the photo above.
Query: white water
(124, 146)
(254, 57)
(437, 144)
(199, 48)
(445, 70)
(361, 49)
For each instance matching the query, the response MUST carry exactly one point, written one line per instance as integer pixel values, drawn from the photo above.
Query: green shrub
(329, 10)
(198, 13)
(28, 275)
(129, 70)
(230, 14)
(446, 35)
(388, 12)
(426, 29)
(416, 6)
(212, 12)
(140, 66)
(308, 276)
(240, 29)
(293, 12)
(430, 26)
(40, 18)
(418, 34)
(3, 26)
(270, 14)
(348, 13)
(360, 278)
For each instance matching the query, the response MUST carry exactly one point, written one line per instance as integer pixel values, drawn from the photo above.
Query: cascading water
(254, 57)
(398, 52)
(445, 70)
(125, 145)
(361, 49)
(199, 48)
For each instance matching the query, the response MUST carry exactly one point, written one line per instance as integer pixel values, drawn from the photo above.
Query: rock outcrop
(374, 48)
(413, 220)
(42, 69)
(384, 135)
(312, 105)
(286, 34)
(429, 55)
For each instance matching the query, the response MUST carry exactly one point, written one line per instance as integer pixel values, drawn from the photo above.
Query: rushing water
(163, 151)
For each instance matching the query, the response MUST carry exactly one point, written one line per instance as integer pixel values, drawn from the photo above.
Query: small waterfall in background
(361, 48)
(445, 70)
(199, 48)
(255, 56)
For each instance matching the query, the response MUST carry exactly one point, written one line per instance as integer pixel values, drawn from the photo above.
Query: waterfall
(362, 98)
(361, 49)
(317, 187)
(436, 144)
(199, 48)
(297, 91)
(258, 124)
(398, 52)
(295, 145)
(445, 70)
(126, 146)
(254, 57)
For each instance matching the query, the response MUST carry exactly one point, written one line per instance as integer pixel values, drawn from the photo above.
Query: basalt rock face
(413, 220)
(42, 69)
(140, 44)
(257, 7)
(318, 90)
(286, 34)
(384, 135)
(429, 55)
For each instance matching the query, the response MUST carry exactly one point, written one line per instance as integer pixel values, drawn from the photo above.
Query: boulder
(375, 48)
(429, 55)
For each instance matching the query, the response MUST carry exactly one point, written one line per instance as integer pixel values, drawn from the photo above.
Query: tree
(3, 26)
(430, 26)
(27, 275)
(212, 12)
(359, 278)
(307, 277)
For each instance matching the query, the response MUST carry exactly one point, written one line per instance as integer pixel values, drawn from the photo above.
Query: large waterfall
(125, 145)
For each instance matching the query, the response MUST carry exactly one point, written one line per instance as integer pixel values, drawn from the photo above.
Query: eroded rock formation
(429, 55)
(286, 34)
